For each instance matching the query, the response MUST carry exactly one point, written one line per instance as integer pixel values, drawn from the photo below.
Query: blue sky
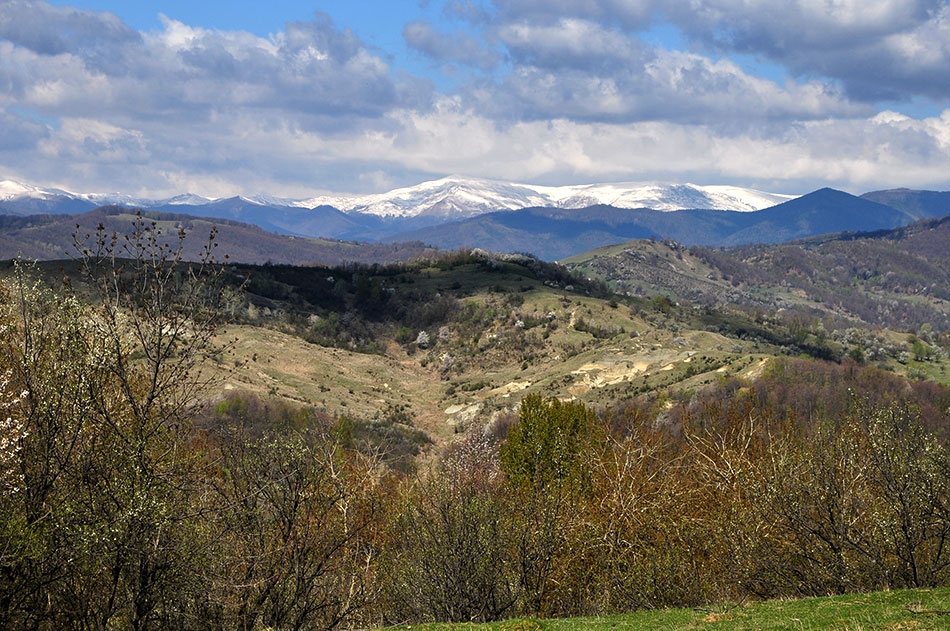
(295, 98)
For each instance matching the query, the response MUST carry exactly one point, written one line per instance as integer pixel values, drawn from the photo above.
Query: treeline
(126, 505)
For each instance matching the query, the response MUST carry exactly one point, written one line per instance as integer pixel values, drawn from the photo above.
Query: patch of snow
(15, 190)
(188, 199)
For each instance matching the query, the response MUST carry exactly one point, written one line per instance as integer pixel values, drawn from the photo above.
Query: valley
(500, 327)
(645, 319)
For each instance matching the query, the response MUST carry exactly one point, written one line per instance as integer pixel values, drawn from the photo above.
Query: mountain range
(451, 197)
(552, 233)
(548, 222)
(457, 197)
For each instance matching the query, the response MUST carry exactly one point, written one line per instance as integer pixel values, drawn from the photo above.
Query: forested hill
(896, 278)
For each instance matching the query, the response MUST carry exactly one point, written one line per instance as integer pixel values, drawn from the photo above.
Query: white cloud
(571, 43)
(310, 68)
(854, 154)
(89, 104)
(458, 48)
(888, 49)
(578, 70)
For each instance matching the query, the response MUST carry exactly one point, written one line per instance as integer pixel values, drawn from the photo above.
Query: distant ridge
(823, 211)
(896, 278)
(546, 221)
(552, 233)
(50, 237)
(917, 204)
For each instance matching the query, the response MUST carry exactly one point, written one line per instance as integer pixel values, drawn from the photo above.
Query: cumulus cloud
(881, 50)
(561, 91)
(311, 68)
(891, 49)
(571, 43)
(458, 48)
(579, 69)
(119, 107)
(51, 30)
(854, 154)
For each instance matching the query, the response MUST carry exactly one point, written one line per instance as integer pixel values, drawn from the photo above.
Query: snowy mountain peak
(16, 190)
(189, 199)
(10, 190)
(457, 196)
(452, 196)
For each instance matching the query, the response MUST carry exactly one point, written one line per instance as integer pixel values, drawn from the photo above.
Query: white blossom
(422, 340)
(12, 433)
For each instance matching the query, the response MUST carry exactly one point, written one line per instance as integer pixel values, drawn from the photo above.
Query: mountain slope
(321, 221)
(896, 278)
(917, 204)
(823, 211)
(50, 237)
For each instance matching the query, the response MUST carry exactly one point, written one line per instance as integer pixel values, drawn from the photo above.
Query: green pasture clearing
(899, 610)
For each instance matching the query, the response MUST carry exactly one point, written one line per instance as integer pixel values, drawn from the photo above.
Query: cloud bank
(553, 91)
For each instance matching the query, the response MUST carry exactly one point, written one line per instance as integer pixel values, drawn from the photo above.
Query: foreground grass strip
(899, 610)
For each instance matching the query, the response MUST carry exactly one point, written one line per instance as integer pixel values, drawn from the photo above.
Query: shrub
(546, 445)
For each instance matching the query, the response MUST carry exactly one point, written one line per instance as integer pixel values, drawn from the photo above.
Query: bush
(546, 445)
(453, 539)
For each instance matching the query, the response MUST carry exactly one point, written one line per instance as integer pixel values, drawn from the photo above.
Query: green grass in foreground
(902, 610)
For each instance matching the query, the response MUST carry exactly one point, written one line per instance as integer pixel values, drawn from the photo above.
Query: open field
(900, 610)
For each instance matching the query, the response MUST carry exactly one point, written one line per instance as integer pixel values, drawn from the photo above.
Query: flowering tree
(12, 433)
(422, 340)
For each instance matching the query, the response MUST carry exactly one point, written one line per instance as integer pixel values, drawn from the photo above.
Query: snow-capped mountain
(188, 199)
(457, 197)
(16, 191)
(10, 190)
(450, 197)
(666, 197)
(550, 221)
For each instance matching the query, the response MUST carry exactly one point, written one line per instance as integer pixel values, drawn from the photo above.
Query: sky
(293, 99)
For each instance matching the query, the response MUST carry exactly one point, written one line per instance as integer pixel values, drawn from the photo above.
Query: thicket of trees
(118, 511)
